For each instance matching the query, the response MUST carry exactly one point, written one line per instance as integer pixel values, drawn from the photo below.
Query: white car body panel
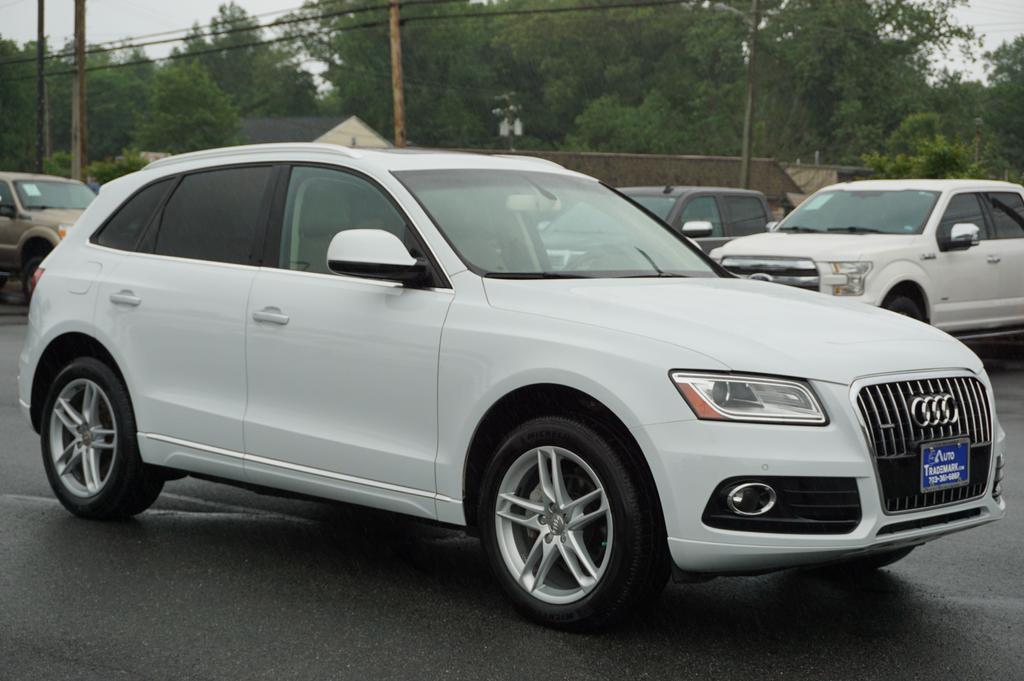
(978, 288)
(372, 393)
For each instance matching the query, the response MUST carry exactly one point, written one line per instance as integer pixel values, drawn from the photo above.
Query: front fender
(896, 273)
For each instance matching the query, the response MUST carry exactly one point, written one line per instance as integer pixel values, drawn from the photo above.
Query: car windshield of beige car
(43, 194)
(862, 212)
(535, 225)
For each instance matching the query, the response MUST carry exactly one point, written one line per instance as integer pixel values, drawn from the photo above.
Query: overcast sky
(995, 20)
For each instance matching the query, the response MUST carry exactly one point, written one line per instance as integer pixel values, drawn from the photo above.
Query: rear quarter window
(123, 230)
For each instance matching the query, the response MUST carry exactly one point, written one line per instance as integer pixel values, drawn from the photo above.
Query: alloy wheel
(554, 525)
(83, 437)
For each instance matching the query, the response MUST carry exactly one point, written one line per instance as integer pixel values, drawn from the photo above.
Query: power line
(112, 47)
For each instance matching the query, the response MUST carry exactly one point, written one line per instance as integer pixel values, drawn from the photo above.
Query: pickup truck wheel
(904, 306)
(26, 277)
(90, 450)
(567, 529)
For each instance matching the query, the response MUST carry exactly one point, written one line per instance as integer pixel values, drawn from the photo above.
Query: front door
(1007, 212)
(965, 282)
(342, 371)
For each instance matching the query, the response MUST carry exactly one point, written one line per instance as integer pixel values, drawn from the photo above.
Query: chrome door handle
(994, 259)
(271, 315)
(125, 297)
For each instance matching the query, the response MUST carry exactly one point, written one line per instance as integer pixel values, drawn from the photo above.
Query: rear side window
(746, 214)
(962, 208)
(123, 230)
(1007, 215)
(214, 215)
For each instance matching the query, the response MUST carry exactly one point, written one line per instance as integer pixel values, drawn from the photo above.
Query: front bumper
(693, 457)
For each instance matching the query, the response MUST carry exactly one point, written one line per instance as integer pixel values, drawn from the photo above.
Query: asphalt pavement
(220, 583)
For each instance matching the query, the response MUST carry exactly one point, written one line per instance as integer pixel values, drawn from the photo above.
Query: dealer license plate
(945, 465)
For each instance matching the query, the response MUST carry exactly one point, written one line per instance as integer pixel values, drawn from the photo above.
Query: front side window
(703, 208)
(6, 198)
(1007, 214)
(124, 229)
(322, 202)
(962, 208)
(526, 224)
(886, 212)
(214, 215)
(43, 194)
(746, 215)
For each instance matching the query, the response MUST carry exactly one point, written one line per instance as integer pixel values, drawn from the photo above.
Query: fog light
(750, 498)
(997, 488)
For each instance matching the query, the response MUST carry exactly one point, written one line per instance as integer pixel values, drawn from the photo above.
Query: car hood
(818, 247)
(55, 216)
(748, 326)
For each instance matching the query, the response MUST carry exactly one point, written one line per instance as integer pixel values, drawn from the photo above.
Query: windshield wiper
(536, 275)
(796, 228)
(854, 229)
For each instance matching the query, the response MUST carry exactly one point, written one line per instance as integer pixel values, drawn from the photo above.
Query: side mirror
(8, 211)
(771, 226)
(695, 229)
(375, 254)
(962, 236)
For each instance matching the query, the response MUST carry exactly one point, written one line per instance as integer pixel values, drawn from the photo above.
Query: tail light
(36, 276)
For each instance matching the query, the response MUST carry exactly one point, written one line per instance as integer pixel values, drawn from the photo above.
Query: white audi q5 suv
(497, 343)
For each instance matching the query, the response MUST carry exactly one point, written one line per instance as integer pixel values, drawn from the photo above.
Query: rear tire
(905, 306)
(90, 447)
(565, 562)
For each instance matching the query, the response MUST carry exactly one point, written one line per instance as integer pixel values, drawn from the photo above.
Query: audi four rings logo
(934, 410)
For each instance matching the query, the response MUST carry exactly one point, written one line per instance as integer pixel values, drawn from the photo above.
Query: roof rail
(252, 149)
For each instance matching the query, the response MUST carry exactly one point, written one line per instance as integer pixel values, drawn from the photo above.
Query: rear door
(1006, 210)
(704, 207)
(175, 304)
(966, 281)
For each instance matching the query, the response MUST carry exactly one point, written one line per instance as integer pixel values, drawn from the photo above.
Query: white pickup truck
(949, 252)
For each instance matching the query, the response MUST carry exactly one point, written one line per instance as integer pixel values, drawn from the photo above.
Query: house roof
(287, 128)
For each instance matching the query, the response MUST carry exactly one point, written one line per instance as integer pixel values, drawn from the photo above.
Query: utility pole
(748, 116)
(78, 129)
(397, 86)
(40, 90)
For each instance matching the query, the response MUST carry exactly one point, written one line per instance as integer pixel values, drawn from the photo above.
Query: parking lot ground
(219, 583)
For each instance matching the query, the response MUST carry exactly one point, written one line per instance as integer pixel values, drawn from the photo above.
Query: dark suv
(731, 213)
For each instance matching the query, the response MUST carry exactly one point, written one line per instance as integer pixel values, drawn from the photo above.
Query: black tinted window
(746, 214)
(6, 197)
(123, 230)
(214, 215)
(1007, 215)
(962, 208)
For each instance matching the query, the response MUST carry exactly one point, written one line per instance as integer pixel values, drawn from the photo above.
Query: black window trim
(271, 247)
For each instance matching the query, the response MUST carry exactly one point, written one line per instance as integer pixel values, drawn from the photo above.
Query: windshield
(659, 205)
(43, 194)
(886, 212)
(520, 224)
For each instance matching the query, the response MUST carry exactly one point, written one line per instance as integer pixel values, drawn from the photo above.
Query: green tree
(112, 168)
(17, 108)
(187, 111)
(1006, 101)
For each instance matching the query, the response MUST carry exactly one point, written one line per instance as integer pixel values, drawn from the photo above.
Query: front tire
(569, 531)
(90, 447)
(905, 306)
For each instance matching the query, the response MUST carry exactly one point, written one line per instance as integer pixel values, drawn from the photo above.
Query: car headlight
(855, 272)
(754, 399)
(62, 230)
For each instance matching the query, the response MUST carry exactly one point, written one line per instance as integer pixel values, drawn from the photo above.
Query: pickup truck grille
(896, 437)
(799, 272)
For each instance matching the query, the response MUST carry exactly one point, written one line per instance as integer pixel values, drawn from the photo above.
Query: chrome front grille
(896, 437)
(799, 272)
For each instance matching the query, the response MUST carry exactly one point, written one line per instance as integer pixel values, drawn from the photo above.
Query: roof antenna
(667, 189)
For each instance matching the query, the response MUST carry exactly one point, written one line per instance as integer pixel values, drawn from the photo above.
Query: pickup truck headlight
(752, 399)
(856, 273)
